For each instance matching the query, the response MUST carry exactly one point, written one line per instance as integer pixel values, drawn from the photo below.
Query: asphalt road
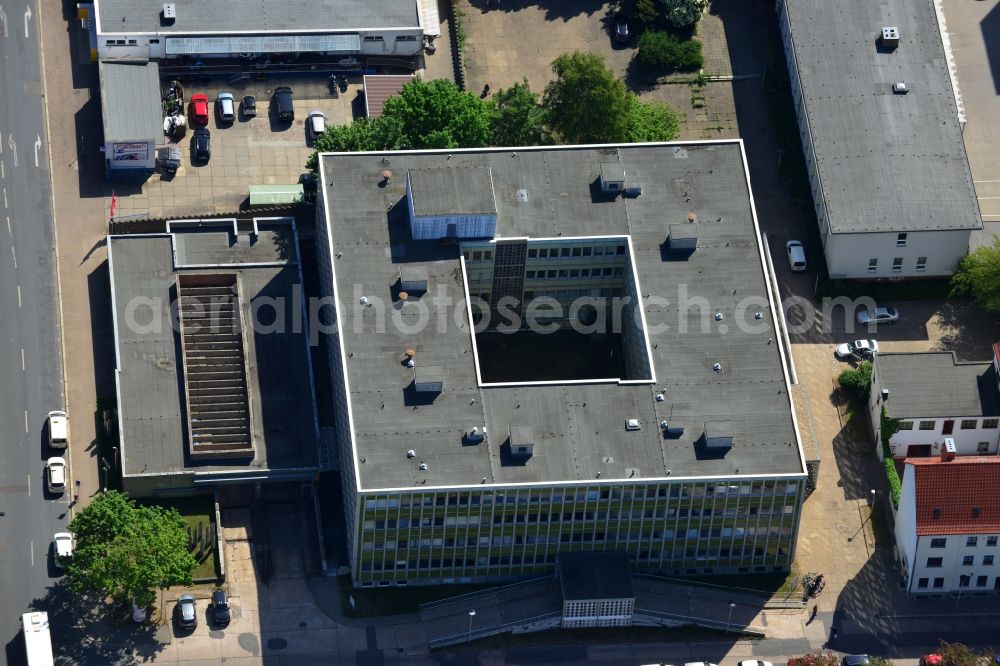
(30, 361)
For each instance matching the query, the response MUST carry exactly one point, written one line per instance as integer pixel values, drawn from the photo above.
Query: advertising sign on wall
(125, 152)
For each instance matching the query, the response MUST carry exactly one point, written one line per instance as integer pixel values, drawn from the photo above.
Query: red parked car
(199, 109)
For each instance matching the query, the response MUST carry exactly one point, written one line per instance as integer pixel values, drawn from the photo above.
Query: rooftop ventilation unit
(889, 37)
(719, 435)
(612, 177)
(522, 441)
(413, 279)
(428, 379)
(900, 88)
(683, 237)
(169, 13)
(475, 436)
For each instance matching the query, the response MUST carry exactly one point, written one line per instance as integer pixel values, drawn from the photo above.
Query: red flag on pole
(114, 203)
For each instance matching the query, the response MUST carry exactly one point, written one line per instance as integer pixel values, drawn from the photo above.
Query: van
(796, 255)
(283, 104)
(58, 430)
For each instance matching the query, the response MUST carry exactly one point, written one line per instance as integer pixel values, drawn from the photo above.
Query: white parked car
(58, 430)
(62, 546)
(56, 468)
(858, 350)
(315, 124)
(796, 255)
(878, 316)
(755, 662)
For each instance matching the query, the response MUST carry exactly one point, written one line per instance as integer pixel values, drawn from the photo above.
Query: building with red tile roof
(948, 524)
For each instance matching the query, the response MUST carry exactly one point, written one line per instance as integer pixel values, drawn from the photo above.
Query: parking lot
(257, 151)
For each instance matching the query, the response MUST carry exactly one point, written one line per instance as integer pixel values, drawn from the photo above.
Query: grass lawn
(197, 512)
(615, 635)
(372, 602)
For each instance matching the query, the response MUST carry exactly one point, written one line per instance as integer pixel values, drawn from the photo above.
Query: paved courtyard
(550, 29)
(258, 151)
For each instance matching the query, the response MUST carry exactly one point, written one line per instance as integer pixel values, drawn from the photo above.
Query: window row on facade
(967, 561)
(658, 513)
(963, 581)
(970, 541)
(583, 494)
(964, 424)
(776, 554)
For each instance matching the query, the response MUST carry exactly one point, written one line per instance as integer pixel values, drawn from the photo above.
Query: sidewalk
(78, 185)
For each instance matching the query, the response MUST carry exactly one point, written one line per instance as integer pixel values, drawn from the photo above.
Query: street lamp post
(472, 614)
(729, 621)
(871, 501)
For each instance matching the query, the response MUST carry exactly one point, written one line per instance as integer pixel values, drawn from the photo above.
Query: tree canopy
(436, 114)
(517, 117)
(661, 52)
(128, 551)
(364, 134)
(684, 13)
(978, 275)
(650, 121)
(959, 654)
(586, 103)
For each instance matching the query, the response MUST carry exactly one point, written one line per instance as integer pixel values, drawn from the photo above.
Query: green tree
(436, 114)
(647, 12)
(650, 121)
(364, 134)
(857, 381)
(517, 117)
(127, 551)
(958, 654)
(586, 103)
(684, 13)
(661, 52)
(978, 275)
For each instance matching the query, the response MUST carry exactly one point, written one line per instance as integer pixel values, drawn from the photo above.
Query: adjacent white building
(948, 525)
(144, 30)
(880, 122)
(939, 402)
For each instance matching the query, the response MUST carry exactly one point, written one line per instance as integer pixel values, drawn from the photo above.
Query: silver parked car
(858, 350)
(878, 316)
(225, 106)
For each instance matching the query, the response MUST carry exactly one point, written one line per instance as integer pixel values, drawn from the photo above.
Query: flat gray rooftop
(579, 429)
(587, 576)
(887, 162)
(220, 16)
(130, 101)
(151, 382)
(935, 384)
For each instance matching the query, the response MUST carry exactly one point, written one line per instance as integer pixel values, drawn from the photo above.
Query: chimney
(948, 450)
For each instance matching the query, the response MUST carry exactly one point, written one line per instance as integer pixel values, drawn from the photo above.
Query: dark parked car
(220, 608)
(621, 30)
(283, 103)
(201, 145)
(855, 660)
(248, 106)
(186, 612)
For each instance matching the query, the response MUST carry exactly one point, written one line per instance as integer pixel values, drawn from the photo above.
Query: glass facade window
(492, 534)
